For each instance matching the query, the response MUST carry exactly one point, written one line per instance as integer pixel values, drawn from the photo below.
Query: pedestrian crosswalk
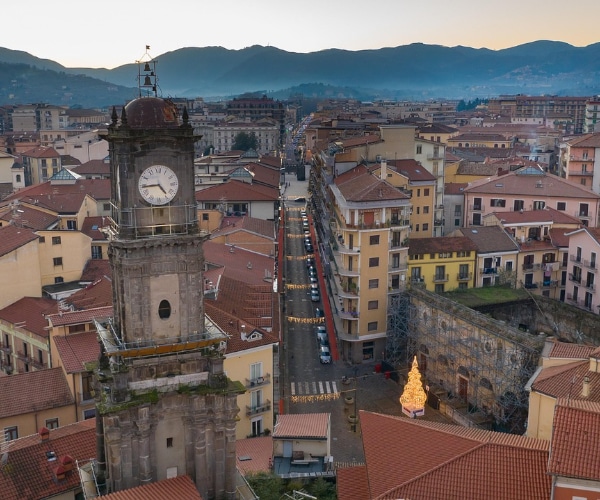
(313, 388)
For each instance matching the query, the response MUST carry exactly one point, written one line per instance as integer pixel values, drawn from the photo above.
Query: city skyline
(118, 32)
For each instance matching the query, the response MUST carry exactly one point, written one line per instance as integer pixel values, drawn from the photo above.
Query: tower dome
(152, 112)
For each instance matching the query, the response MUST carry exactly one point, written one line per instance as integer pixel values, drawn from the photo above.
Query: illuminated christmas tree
(414, 396)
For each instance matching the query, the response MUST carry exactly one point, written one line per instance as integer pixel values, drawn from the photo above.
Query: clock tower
(164, 405)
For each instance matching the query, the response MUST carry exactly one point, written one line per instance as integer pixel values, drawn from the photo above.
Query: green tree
(322, 489)
(266, 486)
(245, 141)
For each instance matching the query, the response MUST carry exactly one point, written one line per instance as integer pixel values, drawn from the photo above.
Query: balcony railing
(350, 315)
(581, 213)
(258, 381)
(581, 172)
(437, 278)
(591, 264)
(591, 287)
(464, 276)
(488, 270)
(477, 208)
(262, 408)
(574, 258)
(574, 278)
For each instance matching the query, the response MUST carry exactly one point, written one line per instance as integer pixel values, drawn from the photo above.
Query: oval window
(164, 309)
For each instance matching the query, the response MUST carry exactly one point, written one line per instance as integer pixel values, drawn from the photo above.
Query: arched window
(164, 309)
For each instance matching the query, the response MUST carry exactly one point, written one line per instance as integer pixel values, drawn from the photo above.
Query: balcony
(575, 278)
(402, 267)
(464, 276)
(477, 208)
(590, 264)
(255, 410)
(417, 280)
(5, 348)
(575, 258)
(590, 287)
(343, 271)
(258, 381)
(439, 278)
(488, 270)
(346, 250)
(581, 172)
(582, 214)
(349, 315)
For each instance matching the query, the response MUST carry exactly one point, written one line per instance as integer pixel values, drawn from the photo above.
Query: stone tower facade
(164, 406)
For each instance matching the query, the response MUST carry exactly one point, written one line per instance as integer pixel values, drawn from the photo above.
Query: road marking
(313, 388)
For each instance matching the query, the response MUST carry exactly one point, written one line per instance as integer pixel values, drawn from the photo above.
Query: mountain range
(417, 71)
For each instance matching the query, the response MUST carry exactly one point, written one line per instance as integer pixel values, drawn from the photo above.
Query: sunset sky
(110, 33)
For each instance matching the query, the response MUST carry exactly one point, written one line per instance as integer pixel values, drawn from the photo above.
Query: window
(372, 326)
(96, 252)
(456, 222)
(87, 414)
(419, 149)
(373, 304)
(40, 356)
(539, 205)
(426, 210)
(86, 386)
(56, 240)
(169, 442)
(583, 209)
(52, 423)
(439, 288)
(18, 179)
(106, 207)
(374, 283)
(42, 239)
(57, 261)
(11, 433)
(374, 240)
(59, 279)
(440, 273)
(497, 202)
(76, 328)
(374, 262)
(561, 205)
(426, 192)
(164, 309)
(426, 227)
(72, 225)
(204, 216)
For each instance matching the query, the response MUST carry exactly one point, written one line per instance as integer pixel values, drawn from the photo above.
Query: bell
(147, 67)
(147, 81)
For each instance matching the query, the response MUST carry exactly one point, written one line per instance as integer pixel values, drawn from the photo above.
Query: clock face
(158, 185)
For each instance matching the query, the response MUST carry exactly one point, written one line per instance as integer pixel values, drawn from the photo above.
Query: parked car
(322, 338)
(319, 313)
(309, 249)
(315, 296)
(313, 280)
(324, 354)
(310, 261)
(320, 328)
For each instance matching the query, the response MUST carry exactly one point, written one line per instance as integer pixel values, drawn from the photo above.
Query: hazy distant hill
(412, 71)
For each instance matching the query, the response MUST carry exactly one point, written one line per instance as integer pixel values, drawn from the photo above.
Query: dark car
(324, 355)
(319, 313)
(322, 338)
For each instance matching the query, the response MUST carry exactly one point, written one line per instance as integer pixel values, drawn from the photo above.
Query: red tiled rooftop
(233, 190)
(34, 391)
(306, 425)
(571, 351)
(13, 237)
(25, 215)
(176, 488)
(94, 295)
(30, 314)
(77, 349)
(418, 246)
(254, 454)
(32, 475)
(352, 483)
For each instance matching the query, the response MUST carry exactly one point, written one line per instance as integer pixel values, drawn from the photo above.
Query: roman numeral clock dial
(158, 185)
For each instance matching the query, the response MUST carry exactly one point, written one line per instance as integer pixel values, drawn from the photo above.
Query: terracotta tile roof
(264, 174)
(32, 475)
(411, 169)
(352, 483)
(77, 349)
(78, 317)
(58, 196)
(303, 426)
(546, 216)
(98, 167)
(179, 488)
(566, 381)
(558, 237)
(273, 161)
(251, 224)
(587, 141)
(419, 246)
(515, 183)
(41, 152)
(570, 351)
(574, 444)
(254, 454)
(96, 294)
(458, 457)
(236, 262)
(95, 269)
(478, 137)
(490, 239)
(91, 227)
(232, 326)
(489, 471)
(13, 237)
(29, 216)
(234, 190)
(451, 188)
(358, 185)
(34, 391)
(30, 312)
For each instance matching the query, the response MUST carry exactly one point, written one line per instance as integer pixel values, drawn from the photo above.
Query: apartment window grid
(52, 423)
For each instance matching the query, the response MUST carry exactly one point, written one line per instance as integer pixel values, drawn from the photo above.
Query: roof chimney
(383, 170)
(67, 462)
(44, 434)
(585, 389)
(243, 328)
